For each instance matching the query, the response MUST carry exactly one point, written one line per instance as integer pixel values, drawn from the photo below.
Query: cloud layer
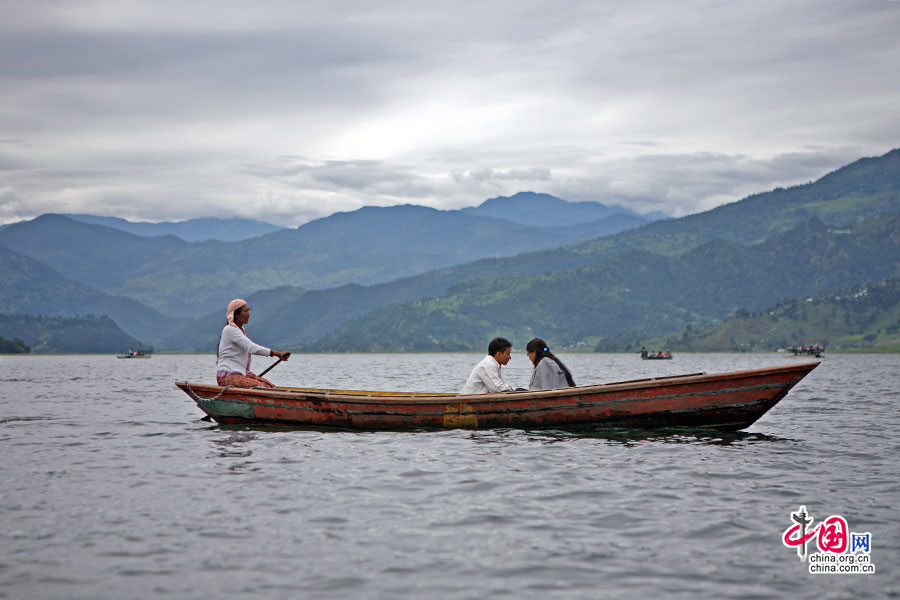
(287, 111)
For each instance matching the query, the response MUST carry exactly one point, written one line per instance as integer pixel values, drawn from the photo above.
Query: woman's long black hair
(542, 350)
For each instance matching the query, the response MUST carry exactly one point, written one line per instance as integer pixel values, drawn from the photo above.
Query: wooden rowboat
(728, 401)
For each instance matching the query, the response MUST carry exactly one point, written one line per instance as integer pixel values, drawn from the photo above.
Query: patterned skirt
(244, 381)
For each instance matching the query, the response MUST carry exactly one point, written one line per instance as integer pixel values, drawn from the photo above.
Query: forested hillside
(13, 346)
(634, 294)
(864, 317)
(85, 334)
(29, 287)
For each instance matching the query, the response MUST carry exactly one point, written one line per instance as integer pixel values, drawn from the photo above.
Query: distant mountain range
(544, 210)
(410, 277)
(865, 189)
(366, 246)
(525, 208)
(192, 230)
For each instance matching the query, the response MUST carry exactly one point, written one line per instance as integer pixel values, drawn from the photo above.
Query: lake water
(112, 487)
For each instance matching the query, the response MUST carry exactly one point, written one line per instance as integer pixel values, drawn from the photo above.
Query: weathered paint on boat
(728, 401)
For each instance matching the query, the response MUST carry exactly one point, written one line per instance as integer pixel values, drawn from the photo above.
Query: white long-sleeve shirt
(485, 378)
(235, 349)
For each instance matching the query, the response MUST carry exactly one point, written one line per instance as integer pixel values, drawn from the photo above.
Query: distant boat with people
(645, 355)
(132, 353)
(815, 351)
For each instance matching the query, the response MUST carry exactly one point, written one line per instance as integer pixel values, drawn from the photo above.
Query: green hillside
(634, 294)
(84, 334)
(859, 191)
(865, 317)
(13, 346)
(29, 287)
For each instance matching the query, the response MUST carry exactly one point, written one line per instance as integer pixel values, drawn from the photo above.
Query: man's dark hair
(498, 344)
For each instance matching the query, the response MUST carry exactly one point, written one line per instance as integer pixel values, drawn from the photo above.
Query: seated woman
(549, 372)
(235, 348)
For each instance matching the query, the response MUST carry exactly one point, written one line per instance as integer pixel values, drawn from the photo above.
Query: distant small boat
(806, 351)
(656, 357)
(728, 401)
(133, 356)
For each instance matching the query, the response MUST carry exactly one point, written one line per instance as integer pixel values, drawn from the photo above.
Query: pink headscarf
(233, 306)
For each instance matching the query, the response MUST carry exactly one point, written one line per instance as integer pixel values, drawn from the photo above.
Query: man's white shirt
(485, 378)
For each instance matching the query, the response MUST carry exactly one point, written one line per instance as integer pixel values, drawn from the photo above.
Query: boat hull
(727, 401)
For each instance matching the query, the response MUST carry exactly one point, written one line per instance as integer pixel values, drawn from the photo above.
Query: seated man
(485, 377)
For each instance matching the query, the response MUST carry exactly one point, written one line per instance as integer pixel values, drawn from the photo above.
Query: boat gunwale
(419, 398)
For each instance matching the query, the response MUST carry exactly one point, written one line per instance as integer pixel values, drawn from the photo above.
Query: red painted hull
(728, 401)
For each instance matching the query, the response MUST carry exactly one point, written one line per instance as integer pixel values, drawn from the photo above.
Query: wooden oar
(272, 366)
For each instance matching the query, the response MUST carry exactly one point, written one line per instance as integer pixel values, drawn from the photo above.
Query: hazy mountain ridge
(191, 230)
(32, 288)
(366, 246)
(544, 210)
(98, 256)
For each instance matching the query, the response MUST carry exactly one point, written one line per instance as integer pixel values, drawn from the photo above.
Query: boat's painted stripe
(365, 392)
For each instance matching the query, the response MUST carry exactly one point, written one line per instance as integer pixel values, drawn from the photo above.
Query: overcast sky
(289, 111)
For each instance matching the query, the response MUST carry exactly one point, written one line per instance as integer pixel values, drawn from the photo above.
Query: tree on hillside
(13, 346)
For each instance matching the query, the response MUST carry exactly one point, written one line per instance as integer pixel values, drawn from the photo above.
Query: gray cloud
(165, 110)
